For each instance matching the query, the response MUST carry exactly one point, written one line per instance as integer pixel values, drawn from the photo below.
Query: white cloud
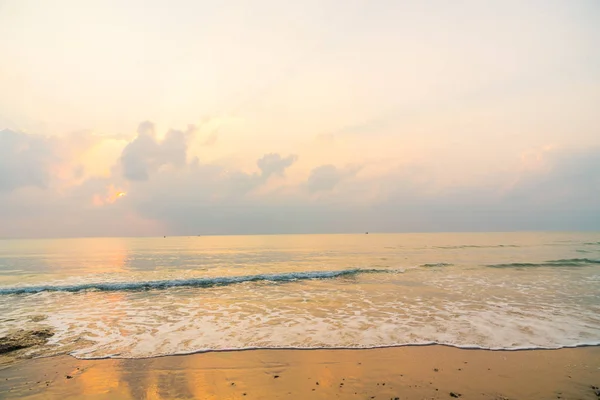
(145, 154)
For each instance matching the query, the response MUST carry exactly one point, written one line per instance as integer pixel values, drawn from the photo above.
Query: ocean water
(144, 297)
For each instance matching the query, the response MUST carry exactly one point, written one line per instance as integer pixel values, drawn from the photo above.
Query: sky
(148, 117)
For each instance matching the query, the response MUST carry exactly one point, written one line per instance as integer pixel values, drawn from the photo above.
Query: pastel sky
(148, 117)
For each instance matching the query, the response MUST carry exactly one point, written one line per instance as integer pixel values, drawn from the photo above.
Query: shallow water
(143, 297)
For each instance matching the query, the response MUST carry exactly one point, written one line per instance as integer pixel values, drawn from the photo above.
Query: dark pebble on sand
(69, 377)
(317, 383)
(232, 383)
(435, 370)
(276, 376)
(456, 395)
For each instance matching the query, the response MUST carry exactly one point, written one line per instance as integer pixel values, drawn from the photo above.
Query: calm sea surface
(142, 297)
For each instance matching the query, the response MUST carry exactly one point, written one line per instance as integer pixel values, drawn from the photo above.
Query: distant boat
(366, 233)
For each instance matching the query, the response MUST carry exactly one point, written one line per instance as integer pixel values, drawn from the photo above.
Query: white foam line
(358, 348)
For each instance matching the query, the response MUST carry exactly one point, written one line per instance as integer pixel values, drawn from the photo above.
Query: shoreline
(391, 346)
(405, 372)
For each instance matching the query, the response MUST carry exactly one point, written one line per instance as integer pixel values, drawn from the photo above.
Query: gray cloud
(326, 177)
(25, 160)
(195, 198)
(273, 164)
(145, 154)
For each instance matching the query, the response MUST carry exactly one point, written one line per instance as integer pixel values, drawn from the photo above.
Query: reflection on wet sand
(407, 372)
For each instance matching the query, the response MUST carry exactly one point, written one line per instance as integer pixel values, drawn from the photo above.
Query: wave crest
(472, 246)
(442, 264)
(196, 282)
(567, 262)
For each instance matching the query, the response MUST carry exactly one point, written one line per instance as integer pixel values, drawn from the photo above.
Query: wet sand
(428, 372)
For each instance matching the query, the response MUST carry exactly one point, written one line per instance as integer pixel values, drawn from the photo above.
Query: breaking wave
(197, 282)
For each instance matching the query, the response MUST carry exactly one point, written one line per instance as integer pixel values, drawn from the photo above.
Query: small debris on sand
(456, 395)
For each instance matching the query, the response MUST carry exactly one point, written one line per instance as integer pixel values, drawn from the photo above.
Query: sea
(147, 297)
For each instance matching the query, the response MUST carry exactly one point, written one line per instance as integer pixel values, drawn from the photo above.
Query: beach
(378, 316)
(409, 372)
(299, 200)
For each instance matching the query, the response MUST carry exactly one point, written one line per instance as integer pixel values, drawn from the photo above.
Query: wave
(471, 246)
(567, 262)
(196, 282)
(437, 265)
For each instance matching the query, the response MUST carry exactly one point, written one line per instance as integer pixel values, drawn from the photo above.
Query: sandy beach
(424, 372)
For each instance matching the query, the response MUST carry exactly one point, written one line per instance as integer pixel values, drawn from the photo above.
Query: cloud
(145, 154)
(171, 192)
(273, 164)
(326, 177)
(25, 160)
(211, 140)
(570, 180)
(561, 196)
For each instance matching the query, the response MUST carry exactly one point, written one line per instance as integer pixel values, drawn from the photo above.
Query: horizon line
(296, 234)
